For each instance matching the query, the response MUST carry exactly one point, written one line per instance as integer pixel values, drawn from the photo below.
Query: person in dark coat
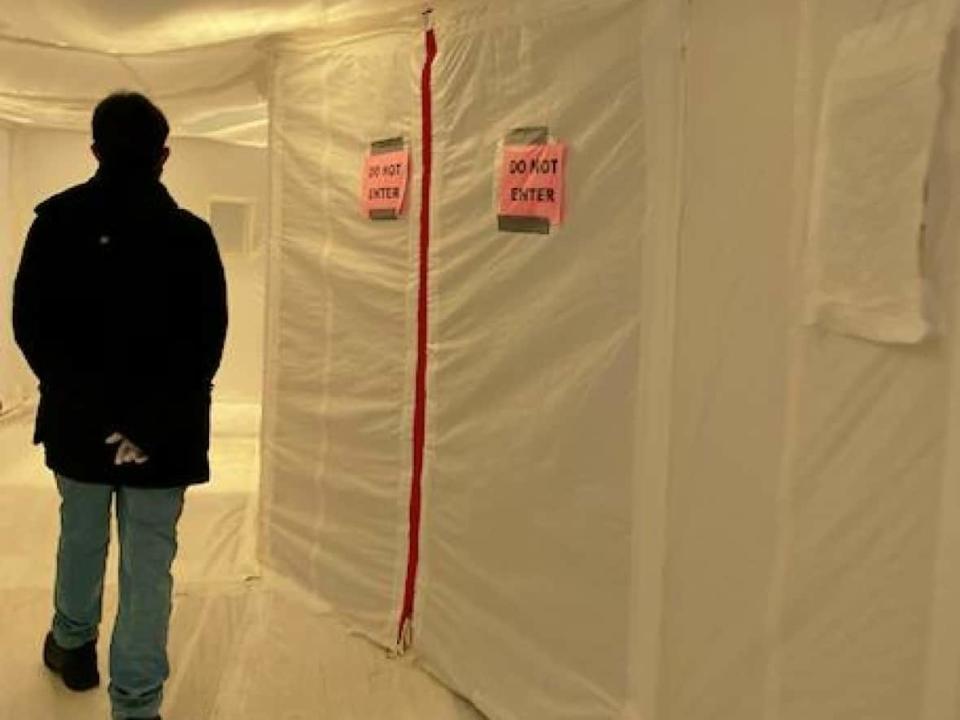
(120, 310)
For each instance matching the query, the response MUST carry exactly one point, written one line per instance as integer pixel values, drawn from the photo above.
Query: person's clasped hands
(127, 452)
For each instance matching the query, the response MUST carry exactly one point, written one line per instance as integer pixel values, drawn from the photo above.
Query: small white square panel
(232, 223)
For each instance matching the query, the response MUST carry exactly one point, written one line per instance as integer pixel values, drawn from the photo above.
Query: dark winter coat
(120, 309)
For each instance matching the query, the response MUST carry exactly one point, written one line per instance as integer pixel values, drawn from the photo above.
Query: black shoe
(78, 668)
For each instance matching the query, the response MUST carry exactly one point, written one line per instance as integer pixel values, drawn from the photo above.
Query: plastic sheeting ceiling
(200, 59)
(215, 92)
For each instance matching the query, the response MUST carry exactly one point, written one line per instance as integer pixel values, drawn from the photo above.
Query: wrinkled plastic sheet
(525, 582)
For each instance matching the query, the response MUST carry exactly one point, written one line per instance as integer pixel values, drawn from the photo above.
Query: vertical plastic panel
(942, 701)
(863, 496)
(805, 470)
(17, 383)
(731, 358)
(525, 587)
(665, 85)
(863, 486)
(8, 261)
(337, 440)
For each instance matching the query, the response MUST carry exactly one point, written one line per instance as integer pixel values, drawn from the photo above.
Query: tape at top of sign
(532, 181)
(381, 147)
(537, 135)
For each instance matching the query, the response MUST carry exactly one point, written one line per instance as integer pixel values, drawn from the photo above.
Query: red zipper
(405, 632)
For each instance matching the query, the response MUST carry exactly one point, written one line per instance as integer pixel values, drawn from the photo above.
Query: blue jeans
(147, 524)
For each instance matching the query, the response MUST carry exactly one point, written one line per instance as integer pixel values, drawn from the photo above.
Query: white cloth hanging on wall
(881, 103)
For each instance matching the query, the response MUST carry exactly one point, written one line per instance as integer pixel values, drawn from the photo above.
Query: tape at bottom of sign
(523, 224)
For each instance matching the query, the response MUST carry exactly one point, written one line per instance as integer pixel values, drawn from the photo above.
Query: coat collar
(133, 193)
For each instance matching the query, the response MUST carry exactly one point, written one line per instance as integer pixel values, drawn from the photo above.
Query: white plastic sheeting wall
(810, 492)
(534, 410)
(869, 467)
(14, 377)
(649, 492)
(534, 377)
(729, 355)
(341, 346)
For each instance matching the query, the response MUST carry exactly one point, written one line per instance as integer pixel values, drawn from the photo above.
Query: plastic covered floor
(242, 646)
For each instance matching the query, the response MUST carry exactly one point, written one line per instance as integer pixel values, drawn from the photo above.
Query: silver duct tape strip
(523, 224)
(528, 136)
(383, 215)
(382, 147)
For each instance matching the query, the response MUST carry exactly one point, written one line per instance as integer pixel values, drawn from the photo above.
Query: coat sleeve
(211, 306)
(33, 311)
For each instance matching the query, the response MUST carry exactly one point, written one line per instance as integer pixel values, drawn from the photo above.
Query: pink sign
(531, 181)
(385, 181)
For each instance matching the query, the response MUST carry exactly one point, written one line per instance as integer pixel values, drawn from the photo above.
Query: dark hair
(130, 132)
